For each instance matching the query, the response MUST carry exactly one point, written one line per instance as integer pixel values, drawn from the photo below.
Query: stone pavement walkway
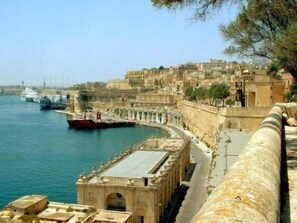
(291, 149)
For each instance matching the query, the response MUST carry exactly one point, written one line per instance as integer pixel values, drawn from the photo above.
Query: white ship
(30, 95)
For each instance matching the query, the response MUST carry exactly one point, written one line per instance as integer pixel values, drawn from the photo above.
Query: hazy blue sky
(74, 41)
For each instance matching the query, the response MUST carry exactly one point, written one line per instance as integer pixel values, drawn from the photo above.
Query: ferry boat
(88, 121)
(29, 95)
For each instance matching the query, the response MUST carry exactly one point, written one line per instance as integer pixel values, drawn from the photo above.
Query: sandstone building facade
(141, 181)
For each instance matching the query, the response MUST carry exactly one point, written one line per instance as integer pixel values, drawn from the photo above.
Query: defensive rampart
(201, 120)
(205, 121)
(250, 191)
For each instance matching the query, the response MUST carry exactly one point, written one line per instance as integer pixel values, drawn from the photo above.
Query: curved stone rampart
(202, 120)
(250, 191)
(205, 121)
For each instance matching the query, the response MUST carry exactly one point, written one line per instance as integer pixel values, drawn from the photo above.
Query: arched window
(116, 201)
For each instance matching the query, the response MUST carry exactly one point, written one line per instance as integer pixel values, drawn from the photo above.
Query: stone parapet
(250, 191)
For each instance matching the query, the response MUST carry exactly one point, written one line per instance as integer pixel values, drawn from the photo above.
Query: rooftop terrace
(137, 165)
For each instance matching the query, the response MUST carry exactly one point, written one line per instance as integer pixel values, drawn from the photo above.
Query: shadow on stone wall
(174, 205)
(285, 211)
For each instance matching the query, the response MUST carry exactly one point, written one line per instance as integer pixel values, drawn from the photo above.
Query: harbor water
(40, 154)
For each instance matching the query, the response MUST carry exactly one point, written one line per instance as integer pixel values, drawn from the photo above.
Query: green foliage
(189, 92)
(230, 102)
(265, 29)
(292, 95)
(273, 69)
(286, 48)
(201, 93)
(196, 93)
(217, 92)
(293, 89)
(161, 67)
(203, 8)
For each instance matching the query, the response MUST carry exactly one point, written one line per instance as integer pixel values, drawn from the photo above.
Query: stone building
(31, 204)
(142, 180)
(37, 208)
(214, 64)
(288, 80)
(257, 89)
(150, 115)
(125, 84)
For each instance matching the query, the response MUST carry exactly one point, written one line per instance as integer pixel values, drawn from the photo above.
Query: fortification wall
(243, 118)
(201, 120)
(118, 84)
(206, 121)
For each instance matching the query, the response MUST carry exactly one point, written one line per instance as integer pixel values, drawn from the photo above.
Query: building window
(145, 181)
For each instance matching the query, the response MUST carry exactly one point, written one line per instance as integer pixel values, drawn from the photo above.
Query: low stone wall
(250, 191)
(243, 118)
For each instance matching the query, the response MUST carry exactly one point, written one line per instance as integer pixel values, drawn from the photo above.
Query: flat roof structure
(63, 212)
(27, 201)
(56, 216)
(139, 164)
(111, 216)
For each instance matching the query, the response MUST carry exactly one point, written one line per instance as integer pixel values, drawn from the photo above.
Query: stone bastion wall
(206, 121)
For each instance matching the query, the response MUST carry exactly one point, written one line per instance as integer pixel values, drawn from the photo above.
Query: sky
(66, 42)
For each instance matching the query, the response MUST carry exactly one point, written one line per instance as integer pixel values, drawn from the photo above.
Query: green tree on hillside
(219, 92)
(190, 93)
(201, 93)
(216, 92)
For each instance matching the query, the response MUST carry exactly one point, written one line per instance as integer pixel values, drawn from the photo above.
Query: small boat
(88, 121)
(29, 95)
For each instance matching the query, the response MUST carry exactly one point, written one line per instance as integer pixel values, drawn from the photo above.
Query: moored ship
(88, 121)
(45, 103)
(29, 95)
(56, 104)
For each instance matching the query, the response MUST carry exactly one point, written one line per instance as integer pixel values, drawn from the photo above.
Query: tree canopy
(203, 9)
(262, 28)
(215, 92)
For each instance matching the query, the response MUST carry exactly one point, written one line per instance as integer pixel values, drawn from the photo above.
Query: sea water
(40, 154)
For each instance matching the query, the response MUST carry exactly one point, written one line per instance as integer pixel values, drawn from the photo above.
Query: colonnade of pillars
(149, 116)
